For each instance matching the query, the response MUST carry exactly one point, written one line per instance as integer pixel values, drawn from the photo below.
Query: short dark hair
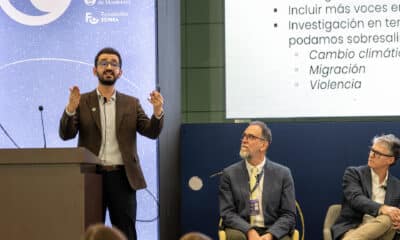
(108, 50)
(265, 131)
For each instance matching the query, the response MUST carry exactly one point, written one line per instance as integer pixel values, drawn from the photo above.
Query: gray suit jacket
(278, 200)
(357, 191)
(130, 118)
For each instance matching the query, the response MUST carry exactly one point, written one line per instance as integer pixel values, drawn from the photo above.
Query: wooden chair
(331, 215)
(295, 234)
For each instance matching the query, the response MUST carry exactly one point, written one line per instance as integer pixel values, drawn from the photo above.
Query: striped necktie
(253, 180)
(253, 195)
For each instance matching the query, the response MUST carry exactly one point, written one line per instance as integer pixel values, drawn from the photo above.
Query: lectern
(51, 193)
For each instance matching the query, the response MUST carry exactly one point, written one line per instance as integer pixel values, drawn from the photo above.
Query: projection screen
(312, 58)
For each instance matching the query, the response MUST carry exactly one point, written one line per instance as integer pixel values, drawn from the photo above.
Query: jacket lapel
(93, 105)
(392, 192)
(368, 181)
(267, 173)
(119, 110)
(244, 182)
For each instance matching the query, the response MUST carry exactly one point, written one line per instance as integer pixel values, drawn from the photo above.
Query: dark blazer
(278, 200)
(130, 118)
(357, 192)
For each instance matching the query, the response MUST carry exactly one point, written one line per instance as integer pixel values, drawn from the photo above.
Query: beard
(107, 81)
(245, 155)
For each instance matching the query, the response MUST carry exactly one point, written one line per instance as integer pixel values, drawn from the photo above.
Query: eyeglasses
(106, 63)
(251, 137)
(379, 154)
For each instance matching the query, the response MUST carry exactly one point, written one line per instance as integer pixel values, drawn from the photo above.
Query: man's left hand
(157, 100)
(267, 236)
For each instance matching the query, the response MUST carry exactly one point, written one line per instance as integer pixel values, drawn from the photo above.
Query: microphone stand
(41, 117)
(216, 174)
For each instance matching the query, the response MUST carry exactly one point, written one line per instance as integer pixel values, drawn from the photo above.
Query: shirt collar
(259, 166)
(113, 96)
(375, 179)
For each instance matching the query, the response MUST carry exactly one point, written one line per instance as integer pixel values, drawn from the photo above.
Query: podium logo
(89, 18)
(52, 10)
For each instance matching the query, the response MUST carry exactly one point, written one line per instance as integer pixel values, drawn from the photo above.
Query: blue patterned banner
(48, 46)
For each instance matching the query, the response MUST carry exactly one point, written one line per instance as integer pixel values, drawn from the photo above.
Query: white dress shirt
(109, 151)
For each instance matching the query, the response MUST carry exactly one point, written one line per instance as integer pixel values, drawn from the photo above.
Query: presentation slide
(48, 46)
(312, 58)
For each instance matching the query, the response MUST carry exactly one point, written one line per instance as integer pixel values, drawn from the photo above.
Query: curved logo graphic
(90, 2)
(43, 59)
(53, 10)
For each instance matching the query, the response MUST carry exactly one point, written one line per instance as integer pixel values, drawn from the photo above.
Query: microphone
(216, 174)
(41, 117)
(8, 135)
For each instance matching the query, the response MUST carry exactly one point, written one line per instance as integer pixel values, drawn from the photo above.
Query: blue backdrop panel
(48, 46)
(316, 153)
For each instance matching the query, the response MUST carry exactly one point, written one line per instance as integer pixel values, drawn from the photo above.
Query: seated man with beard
(256, 195)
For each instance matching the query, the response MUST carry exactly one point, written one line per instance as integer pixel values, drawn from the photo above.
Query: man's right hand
(252, 234)
(392, 212)
(74, 97)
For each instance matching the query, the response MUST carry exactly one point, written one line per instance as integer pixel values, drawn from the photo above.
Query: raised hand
(157, 100)
(74, 97)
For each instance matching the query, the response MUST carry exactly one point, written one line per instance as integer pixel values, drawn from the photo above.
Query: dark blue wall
(316, 153)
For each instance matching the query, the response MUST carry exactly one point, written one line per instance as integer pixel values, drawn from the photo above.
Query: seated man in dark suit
(371, 196)
(256, 195)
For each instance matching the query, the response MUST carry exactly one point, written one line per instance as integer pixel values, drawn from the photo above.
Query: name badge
(254, 207)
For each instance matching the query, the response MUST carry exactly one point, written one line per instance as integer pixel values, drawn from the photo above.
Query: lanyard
(258, 179)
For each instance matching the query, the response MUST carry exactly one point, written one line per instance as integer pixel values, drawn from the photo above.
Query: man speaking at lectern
(107, 122)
